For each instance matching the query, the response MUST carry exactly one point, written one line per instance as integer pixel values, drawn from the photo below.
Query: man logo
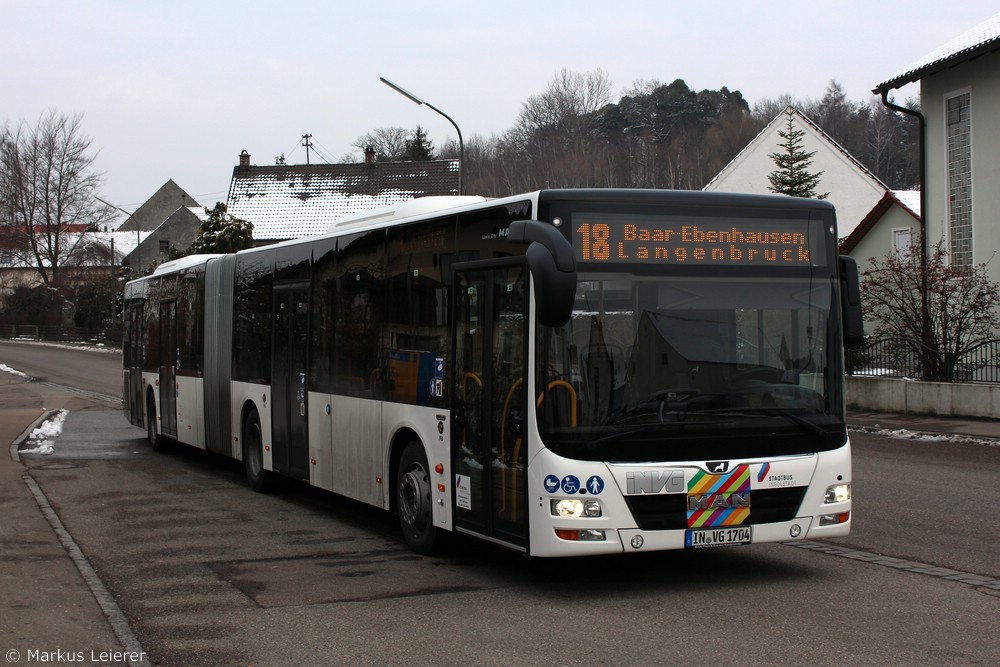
(717, 467)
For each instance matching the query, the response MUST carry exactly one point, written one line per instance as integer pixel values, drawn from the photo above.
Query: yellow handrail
(572, 393)
(517, 443)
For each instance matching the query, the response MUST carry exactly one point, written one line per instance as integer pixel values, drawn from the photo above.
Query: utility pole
(306, 138)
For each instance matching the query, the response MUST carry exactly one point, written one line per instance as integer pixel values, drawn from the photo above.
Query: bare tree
(565, 105)
(389, 142)
(48, 188)
(961, 305)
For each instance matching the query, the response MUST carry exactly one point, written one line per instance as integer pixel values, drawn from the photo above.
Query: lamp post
(138, 241)
(413, 98)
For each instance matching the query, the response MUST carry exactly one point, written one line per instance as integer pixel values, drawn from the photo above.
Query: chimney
(244, 158)
(369, 155)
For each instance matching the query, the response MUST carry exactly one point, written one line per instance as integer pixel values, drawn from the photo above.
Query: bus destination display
(697, 241)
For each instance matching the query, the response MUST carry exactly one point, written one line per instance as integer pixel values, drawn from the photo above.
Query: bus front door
(168, 368)
(289, 418)
(488, 449)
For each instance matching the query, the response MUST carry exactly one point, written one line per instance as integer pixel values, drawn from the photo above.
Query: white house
(960, 103)
(852, 188)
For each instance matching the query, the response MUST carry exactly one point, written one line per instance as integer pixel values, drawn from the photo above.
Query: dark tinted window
(252, 314)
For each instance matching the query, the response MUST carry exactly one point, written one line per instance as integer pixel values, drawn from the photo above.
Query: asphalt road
(89, 370)
(210, 573)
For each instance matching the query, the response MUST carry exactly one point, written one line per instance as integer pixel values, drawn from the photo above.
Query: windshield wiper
(770, 412)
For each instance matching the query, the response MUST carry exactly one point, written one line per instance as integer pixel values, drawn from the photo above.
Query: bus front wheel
(414, 502)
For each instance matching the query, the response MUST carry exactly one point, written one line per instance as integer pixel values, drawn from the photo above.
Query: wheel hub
(414, 498)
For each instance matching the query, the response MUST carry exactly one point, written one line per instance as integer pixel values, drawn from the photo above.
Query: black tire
(253, 455)
(414, 502)
(156, 441)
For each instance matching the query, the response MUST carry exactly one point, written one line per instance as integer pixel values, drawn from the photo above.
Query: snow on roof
(910, 199)
(122, 242)
(979, 38)
(125, 242)
(294, 201)
(199, 212)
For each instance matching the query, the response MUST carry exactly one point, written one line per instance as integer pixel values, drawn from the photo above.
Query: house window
(164, 246)
(901, 240)
(960, 180)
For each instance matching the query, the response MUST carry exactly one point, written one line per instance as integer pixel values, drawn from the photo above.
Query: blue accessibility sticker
(551, 483)
(595, 485)
(570, 484)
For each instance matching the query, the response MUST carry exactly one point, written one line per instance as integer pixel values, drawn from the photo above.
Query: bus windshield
(680, 367)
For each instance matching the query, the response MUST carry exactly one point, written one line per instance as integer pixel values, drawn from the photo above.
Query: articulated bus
(565, 372)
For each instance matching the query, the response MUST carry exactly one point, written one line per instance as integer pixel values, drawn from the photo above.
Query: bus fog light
(590, 535)
(837, 493)
(572, 507)
(834, 519)
(795, 530)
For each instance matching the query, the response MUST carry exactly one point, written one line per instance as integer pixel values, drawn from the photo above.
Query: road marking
(977, 580)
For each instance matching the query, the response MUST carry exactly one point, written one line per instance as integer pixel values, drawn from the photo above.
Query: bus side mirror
(850, 302)
(552, 265)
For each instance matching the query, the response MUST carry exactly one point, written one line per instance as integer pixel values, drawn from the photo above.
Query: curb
(20, 440)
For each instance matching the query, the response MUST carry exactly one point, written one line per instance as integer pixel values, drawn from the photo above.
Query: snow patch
(41, 440)
(923, 436)
(4, 368)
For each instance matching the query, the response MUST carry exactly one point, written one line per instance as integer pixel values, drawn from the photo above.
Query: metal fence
(906, 357)
(71, 335)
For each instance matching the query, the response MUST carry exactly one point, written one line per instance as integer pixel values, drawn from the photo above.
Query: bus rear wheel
(414, 502)
(156, 441)
(253, 454)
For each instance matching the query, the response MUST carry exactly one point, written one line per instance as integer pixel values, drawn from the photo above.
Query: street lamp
(138, 241)
(413, 98)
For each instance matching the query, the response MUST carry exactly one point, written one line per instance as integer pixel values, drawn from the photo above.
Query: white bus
(565, 372)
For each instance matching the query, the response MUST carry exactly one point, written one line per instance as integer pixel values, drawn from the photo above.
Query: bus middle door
(289, 414)
(488, 450)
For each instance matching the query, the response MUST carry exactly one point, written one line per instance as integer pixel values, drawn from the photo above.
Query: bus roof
(403, 209)
(182, 263)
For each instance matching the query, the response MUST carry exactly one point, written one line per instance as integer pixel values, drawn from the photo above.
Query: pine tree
(222, 232)
(792, 177)
(419, 149)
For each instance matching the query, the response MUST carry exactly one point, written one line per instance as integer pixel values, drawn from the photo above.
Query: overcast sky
(177, 89)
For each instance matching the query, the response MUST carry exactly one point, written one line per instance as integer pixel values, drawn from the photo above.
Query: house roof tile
(292, 201)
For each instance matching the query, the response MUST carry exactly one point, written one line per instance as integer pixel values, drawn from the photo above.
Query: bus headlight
(573, 507)
(837, 493)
